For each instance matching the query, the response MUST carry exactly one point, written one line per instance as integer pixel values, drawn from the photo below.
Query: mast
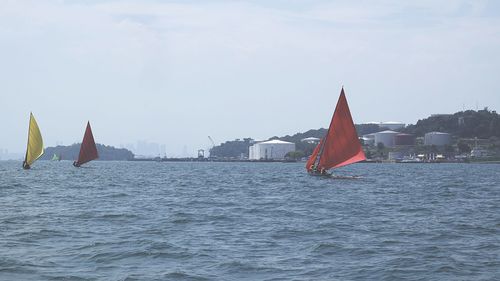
(316, 163)
(28, 144)
(322, 147)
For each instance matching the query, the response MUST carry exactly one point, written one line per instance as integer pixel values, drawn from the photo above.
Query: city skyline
(175, 72)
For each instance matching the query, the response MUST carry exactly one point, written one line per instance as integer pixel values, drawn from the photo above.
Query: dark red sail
(88, 149)
(341, 145)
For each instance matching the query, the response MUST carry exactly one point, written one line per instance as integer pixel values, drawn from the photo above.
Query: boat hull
(336, 177)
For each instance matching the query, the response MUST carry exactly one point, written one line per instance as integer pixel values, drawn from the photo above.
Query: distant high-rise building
(145, 148)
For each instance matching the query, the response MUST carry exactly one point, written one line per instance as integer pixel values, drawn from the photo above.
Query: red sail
(88, 149)
(342, 145)
(313, 157)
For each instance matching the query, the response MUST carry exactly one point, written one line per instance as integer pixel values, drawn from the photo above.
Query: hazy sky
(174, 72)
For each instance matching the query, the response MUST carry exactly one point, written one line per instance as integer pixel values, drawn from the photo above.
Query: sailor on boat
(26, 166)
(314, 171)
(324, 173)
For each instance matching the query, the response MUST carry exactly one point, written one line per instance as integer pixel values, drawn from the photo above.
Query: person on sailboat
(314, 169)
(26, 166)
(323, 172)
(76, 164)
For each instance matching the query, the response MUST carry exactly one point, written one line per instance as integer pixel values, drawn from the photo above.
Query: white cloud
(226, 68)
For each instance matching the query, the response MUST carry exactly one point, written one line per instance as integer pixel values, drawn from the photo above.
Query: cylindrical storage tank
(273, 149)
(437, 138)
(404, 139)
(385, 137)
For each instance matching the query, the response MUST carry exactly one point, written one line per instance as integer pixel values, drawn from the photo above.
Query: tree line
(482, 124)
(71, 152)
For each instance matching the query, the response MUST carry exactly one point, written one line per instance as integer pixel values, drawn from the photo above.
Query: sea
(248, 221)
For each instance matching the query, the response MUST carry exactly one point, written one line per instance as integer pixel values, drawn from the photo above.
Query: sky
(176, 72)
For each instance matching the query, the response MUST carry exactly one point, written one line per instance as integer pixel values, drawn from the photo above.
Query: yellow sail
(35, 143)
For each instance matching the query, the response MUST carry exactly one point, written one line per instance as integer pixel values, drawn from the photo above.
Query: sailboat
(88, 149)
(35, 144)
(340, 146)
(55, 157)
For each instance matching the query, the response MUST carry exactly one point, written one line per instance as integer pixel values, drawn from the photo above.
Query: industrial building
(310, 140)
(386, 137)
(437, 139)
(368, 139)
(270, 150)
(404, 139)
(391, 125)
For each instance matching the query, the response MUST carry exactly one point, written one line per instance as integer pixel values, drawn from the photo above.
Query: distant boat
(340, 146)
(55, 157)
(35, 144)
(88, 149)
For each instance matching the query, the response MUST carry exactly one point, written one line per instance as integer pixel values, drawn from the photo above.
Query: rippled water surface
(248, 221)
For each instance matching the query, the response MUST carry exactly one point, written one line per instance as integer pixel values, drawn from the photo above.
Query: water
(248, 221)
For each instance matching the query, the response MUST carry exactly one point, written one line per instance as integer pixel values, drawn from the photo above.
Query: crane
(212, 141)
(213, 145)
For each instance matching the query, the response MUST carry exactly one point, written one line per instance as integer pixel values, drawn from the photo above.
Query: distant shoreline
(258, 161)
(188, 159)
(292, 161)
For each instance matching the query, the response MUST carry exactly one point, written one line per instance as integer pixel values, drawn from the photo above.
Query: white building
(368, 139)
(385, 137)
(310, 140)
(273, 149)
(437, 138)
(391, 125)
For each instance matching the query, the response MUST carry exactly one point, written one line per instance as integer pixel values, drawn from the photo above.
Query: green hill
(231, 149)
(482, 124)
(106, 153)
